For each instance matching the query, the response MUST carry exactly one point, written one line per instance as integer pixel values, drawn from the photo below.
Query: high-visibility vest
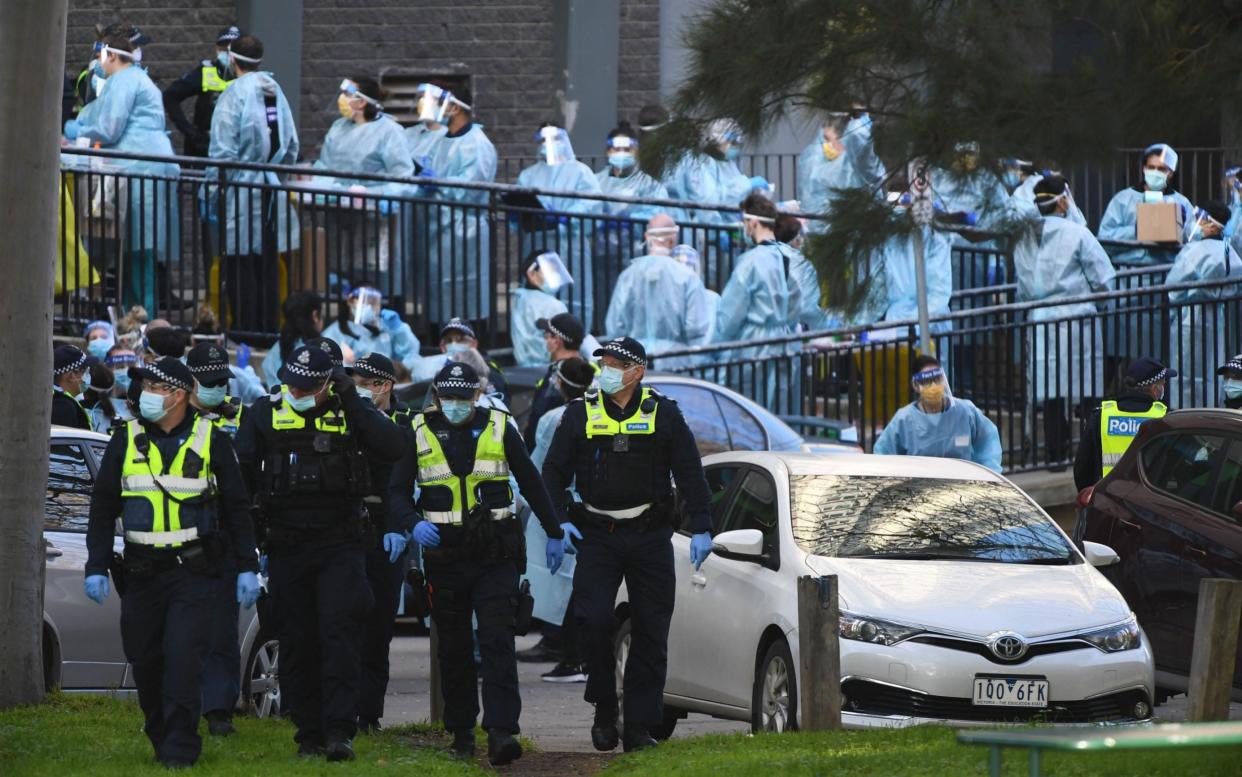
(225, 424)
(490, 466)
(600, 424)
(153, 495)
(285, 418)
(85, 415)
(211, 81)
(1118, 429)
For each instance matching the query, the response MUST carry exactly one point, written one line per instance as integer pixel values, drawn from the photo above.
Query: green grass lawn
(99, 736)
(927, 750)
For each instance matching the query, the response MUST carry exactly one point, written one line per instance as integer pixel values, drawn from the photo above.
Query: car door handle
(1129, 525)
(1191, 550)
(698, 580)
(51, 551)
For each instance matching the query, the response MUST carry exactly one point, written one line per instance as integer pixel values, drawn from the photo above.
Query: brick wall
(638, 72)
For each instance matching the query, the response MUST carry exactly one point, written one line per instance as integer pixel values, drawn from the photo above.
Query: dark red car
(1172, 510)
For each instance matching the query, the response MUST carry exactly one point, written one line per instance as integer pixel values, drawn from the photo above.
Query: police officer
(1111, 427)
(305, 448)
(618, 446)
(460, 456)
(70, 376)
(210, 365)
(1231, 382)
(205, 83)
(375, 376)
(562, 335)
(174, 481)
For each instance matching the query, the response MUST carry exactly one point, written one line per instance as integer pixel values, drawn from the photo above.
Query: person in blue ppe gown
(303, 315)
(563, 230)
(939, 424)
(367, 327)
(535, 300)
(659, 301)
(1021, 178)
(100, 336)
(973, 196)
(366, 140)
(128, 115)
(259, 224)
(1120, 219)
(762, 300)
(420, 141)
(458, 271)
(616, 239)
(1233, 198)
(1204, 330)
(900, 301)
(1057, 258)
(789, 233)
(842, 157)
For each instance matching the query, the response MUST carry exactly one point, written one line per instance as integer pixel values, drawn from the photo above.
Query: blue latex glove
(426, 534)
(972, 219)
(395, 544)
(73, 128)
(243, 356)
(427, 172)
(96, 587)
(247, 589)
(391, 319)
(263, 564)
(759, 182)
(700, 548)
(556, 555)
(571, 534)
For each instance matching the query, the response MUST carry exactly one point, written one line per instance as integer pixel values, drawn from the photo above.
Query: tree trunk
(34, 43)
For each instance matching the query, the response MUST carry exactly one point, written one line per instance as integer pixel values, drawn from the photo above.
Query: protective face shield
(433, 104)
(348, 92)
(931, 386)
(555, 275)
(251, 62)
(554, 145)
(622, 151)
(1205, 225)
(366, 304)
(688, 256)
(1164, 155)
(660, 240)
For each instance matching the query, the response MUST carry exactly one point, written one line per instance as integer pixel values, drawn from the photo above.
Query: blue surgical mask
(99, 347)
(548, 288)
(611, 380)
(1156, 180)
(366, 393)
(453, 349)
(151, 406)
(301, 404)
(1232, 388)
(622, 160)
(732, 153)
(122, 379)
(211, 395)
(86, 380)
(222, 59)
(456, 410)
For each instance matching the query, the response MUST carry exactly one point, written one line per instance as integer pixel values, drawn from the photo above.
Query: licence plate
(1010, 692)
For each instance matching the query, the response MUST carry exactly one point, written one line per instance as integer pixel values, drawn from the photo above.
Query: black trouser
(644, 559)
(385, 579)
(164, 630)
(252, 287)
(322, 596)
(489, 590)
(222, 666)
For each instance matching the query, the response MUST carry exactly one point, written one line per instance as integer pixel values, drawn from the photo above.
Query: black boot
(340, 750)
(502, 747)
(637, 738)
(604, 730)
(220, 723)
(310, 749)
(463, 743)
(368, 726)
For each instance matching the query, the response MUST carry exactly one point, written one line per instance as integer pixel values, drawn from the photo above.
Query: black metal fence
(1035, 369)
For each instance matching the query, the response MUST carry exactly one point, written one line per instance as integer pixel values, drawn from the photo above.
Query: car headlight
(1123, 636)
(864, 629)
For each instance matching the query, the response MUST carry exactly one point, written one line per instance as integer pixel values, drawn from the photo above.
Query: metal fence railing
(1036, 369)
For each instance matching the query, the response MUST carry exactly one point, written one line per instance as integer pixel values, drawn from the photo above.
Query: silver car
(82, 650)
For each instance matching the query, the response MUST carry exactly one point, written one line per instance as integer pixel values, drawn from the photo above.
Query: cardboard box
(1159, 222)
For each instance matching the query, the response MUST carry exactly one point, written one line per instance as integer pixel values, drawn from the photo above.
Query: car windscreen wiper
(918, 556)
(1053, 561)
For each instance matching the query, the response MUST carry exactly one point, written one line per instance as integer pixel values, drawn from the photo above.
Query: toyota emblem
(1007, 646)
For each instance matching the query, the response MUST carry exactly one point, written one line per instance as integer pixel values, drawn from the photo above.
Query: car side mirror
(1099, 555)
(739, 542)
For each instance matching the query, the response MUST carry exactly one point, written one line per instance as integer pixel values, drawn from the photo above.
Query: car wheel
(263, 677)
(774, 701)
(621, 650)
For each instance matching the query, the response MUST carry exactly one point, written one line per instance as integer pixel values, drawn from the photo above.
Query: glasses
(374, 383)
(159, 387)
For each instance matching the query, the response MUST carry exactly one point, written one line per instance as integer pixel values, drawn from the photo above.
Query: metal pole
(921, 212)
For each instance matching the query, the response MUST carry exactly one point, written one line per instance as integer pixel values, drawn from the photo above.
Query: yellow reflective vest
(490, 465)
(1118, 429)
(153, 494)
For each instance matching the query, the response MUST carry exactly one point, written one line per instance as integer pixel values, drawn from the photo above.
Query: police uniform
(619, 460)
(186, 517)
(384, 573)
(310, 474)
(462, 473)
(206, 82)
(66, 409)
(547, 394)
(1111, 427)
(209, 364)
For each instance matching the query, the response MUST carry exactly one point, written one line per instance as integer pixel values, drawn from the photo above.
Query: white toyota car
(961, 600)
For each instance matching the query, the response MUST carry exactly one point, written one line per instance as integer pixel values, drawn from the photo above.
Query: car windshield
(922, 518)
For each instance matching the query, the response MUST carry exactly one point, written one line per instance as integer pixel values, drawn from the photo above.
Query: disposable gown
(567, 235)
(273, 362)
(761, 300)
(240, 133)
(1026, 193)
(810, 315)
(245, 384)
(705, 179)
(550, 591)
(393, 338)
(619, 239)
(457, 277)
(857, 167)
(129, 116)
(1120, 222)
(900, 286)
(662, 304)
(528, 306)
(961, 431)
(415, 233)
(1057, 259)
(1203, 332)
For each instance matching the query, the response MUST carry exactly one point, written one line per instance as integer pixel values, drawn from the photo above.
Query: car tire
(621, 651)
(774, 700)
(262, 687)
